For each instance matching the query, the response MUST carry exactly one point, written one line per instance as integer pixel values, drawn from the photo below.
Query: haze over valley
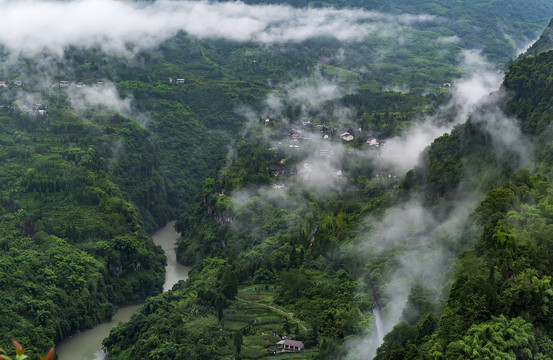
(347, 179)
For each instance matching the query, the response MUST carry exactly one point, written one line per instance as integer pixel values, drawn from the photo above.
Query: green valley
(342, 179)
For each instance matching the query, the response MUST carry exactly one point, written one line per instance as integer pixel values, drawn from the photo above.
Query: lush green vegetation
(543, 44)
(283, 239)
(72, 245)
(462, 24)
(293, 241)
(200, 319)
(81, 186)
(499, 302)
(501, 283)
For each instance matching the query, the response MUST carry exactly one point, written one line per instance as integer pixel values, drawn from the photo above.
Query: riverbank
(87, 345)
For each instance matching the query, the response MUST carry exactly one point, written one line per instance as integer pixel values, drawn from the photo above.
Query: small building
(336, 173)
(346, 136)
(180, 81)
(100, 83)
(64, 83)
(290, 345)
(18, 83)
(3, 84)
(446, 85)
(373, 142)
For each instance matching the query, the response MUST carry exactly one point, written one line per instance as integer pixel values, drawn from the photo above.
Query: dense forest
(277, 160)
(288, 236)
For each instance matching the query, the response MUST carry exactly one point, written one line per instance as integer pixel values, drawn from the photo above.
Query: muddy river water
(87, 345)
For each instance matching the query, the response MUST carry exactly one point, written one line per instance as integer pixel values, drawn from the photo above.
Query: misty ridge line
(32, 26)
(466, 95)
(424, 243)
(402, 152)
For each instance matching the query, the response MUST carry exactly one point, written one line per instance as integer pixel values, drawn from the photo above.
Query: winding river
(87, 345)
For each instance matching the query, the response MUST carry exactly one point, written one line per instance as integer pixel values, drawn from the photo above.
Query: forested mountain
(469, 24)
(290, 234)
(279, 157)
(544, 43)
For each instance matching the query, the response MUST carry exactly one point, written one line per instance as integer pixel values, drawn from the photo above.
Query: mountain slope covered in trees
(89, 169)
(292, 245)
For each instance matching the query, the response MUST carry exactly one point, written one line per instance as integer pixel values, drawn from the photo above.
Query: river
(87, 345)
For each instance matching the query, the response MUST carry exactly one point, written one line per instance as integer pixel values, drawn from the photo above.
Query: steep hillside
(469, 24)
(105, 136)
(501, 284)
(544, 42)
(72, 245)
(335, 248)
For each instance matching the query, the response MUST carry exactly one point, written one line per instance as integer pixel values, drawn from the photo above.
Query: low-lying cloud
(402, 152)
(421, 240)
(119, 26)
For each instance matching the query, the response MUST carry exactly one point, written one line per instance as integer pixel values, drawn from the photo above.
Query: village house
(180, 81)
(336, 173)
(3, 84)
(346, 136)
(290, 345)
(64, 84)
(18, 83)
(373, 142)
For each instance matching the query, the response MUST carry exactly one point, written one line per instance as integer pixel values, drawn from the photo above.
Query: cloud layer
(33, 25)
(402, 152)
